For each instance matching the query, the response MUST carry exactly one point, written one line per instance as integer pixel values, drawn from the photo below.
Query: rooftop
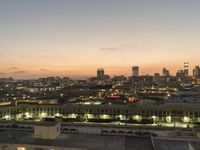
(166, 144)
(133, 143)
(195, 145)
(94, 142)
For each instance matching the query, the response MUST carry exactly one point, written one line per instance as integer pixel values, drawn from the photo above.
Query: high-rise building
(165, 72)
(135, 71)
(156, 77)
(181, 74)
(100, 73)
(186, 69)
(196, 72)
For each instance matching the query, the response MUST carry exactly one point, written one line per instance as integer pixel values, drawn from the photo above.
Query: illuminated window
(21, 148)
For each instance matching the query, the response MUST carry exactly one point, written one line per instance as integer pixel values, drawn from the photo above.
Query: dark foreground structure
(50, 136)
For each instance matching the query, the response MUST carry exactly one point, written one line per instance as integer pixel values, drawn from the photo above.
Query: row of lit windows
(100, 111)
(29, 110)
(144, 112)
(105, 111)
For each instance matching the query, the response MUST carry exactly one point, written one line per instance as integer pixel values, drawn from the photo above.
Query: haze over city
(74, 38)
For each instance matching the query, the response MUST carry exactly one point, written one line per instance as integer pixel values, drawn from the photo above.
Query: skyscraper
(135, 71)
(196, 72)
(181, 74)
(165, 72)
(100, 73)
(186, 68)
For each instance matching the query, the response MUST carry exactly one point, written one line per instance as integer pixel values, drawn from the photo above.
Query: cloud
(51, 25)
(2, 74)
(13, 68)
(108, 49)
(20, 72)
(43, 69)
(122, 48)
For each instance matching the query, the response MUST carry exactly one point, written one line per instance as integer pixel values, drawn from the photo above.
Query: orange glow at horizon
(79, 72)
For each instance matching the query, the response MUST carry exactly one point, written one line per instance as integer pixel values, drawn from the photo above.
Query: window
(126, 111)
(164, 112)
(21, 148)
(58, 129)
(143, 112)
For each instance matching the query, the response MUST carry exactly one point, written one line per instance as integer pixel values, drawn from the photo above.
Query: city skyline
(39, 39)
(134, 71)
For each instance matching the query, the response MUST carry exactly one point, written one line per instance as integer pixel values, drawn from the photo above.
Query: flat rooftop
(195, 145)
(162, 144)
(133, 143)
(94, 142)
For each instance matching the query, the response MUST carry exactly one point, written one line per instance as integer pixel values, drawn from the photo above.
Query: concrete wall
(47, 132)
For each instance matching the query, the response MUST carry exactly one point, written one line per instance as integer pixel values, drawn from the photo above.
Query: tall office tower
(100, 73)
(165, 72)
(135, 71)
(196, 72)
(180, 73)
(186, 68)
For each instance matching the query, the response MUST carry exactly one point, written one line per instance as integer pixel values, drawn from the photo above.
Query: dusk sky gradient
(41, 38)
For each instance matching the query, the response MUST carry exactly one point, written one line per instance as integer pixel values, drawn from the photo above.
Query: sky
(75, 37)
